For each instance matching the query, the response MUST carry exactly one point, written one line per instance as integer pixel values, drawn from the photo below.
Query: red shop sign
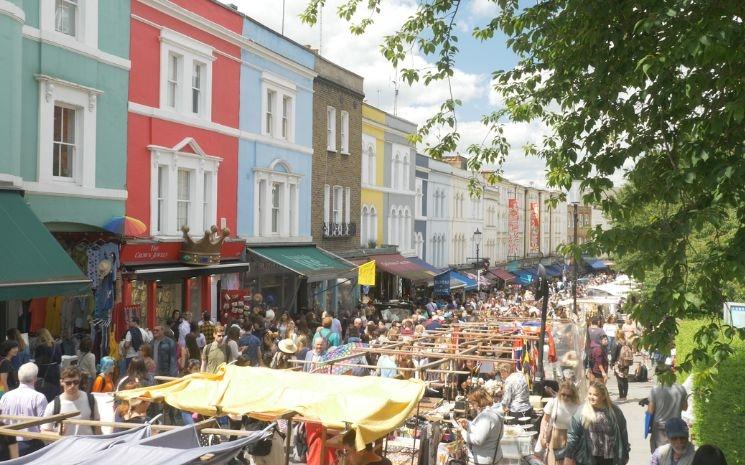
(140, 253)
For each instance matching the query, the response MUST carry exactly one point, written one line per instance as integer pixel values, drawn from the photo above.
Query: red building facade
(182, 150)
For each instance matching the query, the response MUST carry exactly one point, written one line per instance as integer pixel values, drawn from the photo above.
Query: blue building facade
(276, 147)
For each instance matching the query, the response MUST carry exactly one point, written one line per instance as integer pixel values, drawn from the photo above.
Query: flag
(366, 274)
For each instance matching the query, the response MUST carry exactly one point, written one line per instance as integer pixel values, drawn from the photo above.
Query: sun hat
(287, 346)
(269, 315)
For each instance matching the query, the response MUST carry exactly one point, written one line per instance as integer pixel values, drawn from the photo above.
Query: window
(162, 190)
(326, 204)
(394, 171)
(345, 132)
(331, 128)
(286, 111)
(271, 98)
(174, 79)
(208, 215)
(183, 198)
(186, 75)
(197, 88)
(338, 204)
(183, 189)
(419, 245)
(66, 17)
(418, 206)
(64, 142)
(275, 207)
(347, 205)
(67, 135)
(364, 225)
(368, 159)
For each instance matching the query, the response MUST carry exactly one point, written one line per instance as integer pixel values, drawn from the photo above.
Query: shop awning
(553, 270)
(313, 263)
(470, 283)
(502, 274)
(149, 273)
(398, 265)
(595, 263)
(32, 262)
(426, 266)
(525, 276)
(482, 280)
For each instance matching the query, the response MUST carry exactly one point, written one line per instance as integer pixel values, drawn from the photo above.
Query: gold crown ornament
(204, 251)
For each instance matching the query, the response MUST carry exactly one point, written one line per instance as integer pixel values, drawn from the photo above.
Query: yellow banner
(366, 274)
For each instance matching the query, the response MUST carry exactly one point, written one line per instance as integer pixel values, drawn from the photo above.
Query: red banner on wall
(535, 228)
(150, 253)
(513, 228)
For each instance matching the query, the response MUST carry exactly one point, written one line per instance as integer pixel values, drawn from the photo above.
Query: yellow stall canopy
(372, 406)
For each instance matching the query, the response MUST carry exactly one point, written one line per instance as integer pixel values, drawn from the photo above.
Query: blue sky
(361, 54)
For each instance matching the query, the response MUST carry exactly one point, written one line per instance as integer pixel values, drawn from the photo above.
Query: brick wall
(334, 168)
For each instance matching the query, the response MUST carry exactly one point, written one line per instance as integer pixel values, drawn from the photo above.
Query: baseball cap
(676, 428)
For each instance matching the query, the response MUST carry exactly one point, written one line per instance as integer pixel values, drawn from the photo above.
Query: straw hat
(104, 268)
(287, 346)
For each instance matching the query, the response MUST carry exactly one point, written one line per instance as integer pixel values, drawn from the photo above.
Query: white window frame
(200, 164)
(368, 159)
(53, 91)
(344, 132)
(283, 89)
(418, 206)
(86, 23)
(337, 208)
(73, 143)
(278, 172)
(192, 52)
(202, 97)
(364, 225)
(270, 109)
(177, 82)
(189, 200)
(278, 208)
(331, 129)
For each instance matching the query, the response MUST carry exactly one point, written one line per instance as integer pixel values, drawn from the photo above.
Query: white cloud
(483, 8)
(361, 54)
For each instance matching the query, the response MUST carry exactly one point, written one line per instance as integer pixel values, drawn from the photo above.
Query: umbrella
(337, 352)
(126, 226)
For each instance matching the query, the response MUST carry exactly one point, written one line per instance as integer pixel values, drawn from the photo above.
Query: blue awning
(595, 263)
(470, 283)
(525, 276)
(553, 270)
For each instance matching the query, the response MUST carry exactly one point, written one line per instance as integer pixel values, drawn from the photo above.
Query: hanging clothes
(38, 310)
(104, 298)
(53, 318)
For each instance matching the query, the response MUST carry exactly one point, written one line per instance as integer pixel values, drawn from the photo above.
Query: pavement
(634, 413)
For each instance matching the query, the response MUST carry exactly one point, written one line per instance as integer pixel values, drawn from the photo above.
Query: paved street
(634, 414)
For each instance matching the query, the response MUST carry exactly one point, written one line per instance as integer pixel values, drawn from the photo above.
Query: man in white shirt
(134, 338)
(72, 399)
(184, 328)
(25, 401)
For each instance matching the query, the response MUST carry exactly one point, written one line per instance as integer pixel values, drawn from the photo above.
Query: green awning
(32, 263)
(311, 262)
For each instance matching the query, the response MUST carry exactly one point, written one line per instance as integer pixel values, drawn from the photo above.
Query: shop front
(396, 277)
(297, 279)
(160, 277)
(40, 284)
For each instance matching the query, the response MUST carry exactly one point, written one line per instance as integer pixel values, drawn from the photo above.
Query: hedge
(720, 420)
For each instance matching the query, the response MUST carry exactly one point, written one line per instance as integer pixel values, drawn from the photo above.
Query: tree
(655, 87)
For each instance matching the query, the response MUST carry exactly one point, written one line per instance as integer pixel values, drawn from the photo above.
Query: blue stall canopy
(470, 283)
(595, 263)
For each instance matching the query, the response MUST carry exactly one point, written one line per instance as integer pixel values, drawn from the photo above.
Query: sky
(361, 54)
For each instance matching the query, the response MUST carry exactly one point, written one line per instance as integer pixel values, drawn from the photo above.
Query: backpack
(91, 404)
(640, 375)
(136, 336)
(299, 450)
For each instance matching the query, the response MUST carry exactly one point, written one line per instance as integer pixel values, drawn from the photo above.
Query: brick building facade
(337, 145)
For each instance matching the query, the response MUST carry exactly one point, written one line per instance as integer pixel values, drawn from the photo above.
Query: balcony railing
(339, 229)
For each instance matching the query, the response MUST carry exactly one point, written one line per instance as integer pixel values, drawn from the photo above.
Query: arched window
(406, 228)
(419, 245)
(372, 224)
(393, 226)
(364, 226)
(394, 171)
(405, 173)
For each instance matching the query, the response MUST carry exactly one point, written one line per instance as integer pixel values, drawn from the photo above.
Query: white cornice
(73, 85)
(74, 190)
(14, 11)
(68, 43)
(388, 190)
(384, 128)
(168, 115)
(193, 19)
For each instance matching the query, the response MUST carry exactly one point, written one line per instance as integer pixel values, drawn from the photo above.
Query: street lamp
(574, 197)
(477, 243)
(542, 292)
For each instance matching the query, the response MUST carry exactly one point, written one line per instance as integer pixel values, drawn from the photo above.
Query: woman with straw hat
(281, 359)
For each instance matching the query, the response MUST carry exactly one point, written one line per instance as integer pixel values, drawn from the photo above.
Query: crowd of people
(36, 380)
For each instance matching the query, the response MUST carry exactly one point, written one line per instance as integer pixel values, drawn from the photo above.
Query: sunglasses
(73, 382)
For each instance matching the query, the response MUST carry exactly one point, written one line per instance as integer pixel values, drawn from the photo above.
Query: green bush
(720, 419)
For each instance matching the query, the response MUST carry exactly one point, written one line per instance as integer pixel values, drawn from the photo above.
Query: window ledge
(331, 149)
(343, 152)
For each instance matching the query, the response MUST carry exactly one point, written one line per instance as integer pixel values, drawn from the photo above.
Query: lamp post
(541, 293)
(574, 199)
(477, 243)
